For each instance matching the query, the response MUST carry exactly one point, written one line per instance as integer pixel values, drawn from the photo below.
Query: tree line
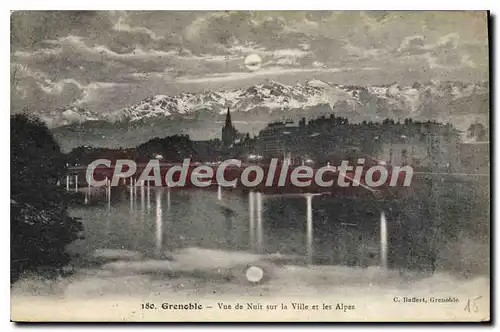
(41, 226)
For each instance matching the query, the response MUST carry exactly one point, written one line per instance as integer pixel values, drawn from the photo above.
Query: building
(475, 157)
(405, 153)
(431, 152)
(277, 139)
(229, 133)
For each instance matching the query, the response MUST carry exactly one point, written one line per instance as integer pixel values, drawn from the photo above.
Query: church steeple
(228, 131)
(228, 118)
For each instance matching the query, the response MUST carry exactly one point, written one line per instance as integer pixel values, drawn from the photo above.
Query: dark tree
(40, 224)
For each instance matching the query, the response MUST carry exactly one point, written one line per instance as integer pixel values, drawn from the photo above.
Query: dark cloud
(30, 28)
(105, 58)
(31, 91)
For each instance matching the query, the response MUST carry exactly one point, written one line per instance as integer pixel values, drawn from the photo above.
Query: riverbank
(116, 288)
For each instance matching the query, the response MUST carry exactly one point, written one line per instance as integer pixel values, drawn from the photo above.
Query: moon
(254, 274)
(253, 62)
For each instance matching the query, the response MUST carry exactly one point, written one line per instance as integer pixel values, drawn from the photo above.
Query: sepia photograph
(250, 166)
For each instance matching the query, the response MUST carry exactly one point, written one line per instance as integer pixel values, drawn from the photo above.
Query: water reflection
(251, 207)
(159, 222)
(168, 199)
(309, 229)
(148, 198)
(383, 240)
(258, 198)
(142, 199)
(321, 229)
(131, 188)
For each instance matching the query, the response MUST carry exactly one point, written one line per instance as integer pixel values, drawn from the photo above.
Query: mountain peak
(201, 114)
(368, 102)
(317, 84)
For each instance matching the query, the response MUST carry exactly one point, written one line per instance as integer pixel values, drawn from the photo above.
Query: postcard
(250, 166)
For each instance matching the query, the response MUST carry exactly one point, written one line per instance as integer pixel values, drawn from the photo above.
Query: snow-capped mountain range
(455, 102)
(273, 96)
(67, 116)
(410, 101)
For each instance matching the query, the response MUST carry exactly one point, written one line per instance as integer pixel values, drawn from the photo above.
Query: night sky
(103, 61)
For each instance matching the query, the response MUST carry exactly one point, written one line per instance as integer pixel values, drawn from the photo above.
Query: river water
(319, 230)
(156, 245)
